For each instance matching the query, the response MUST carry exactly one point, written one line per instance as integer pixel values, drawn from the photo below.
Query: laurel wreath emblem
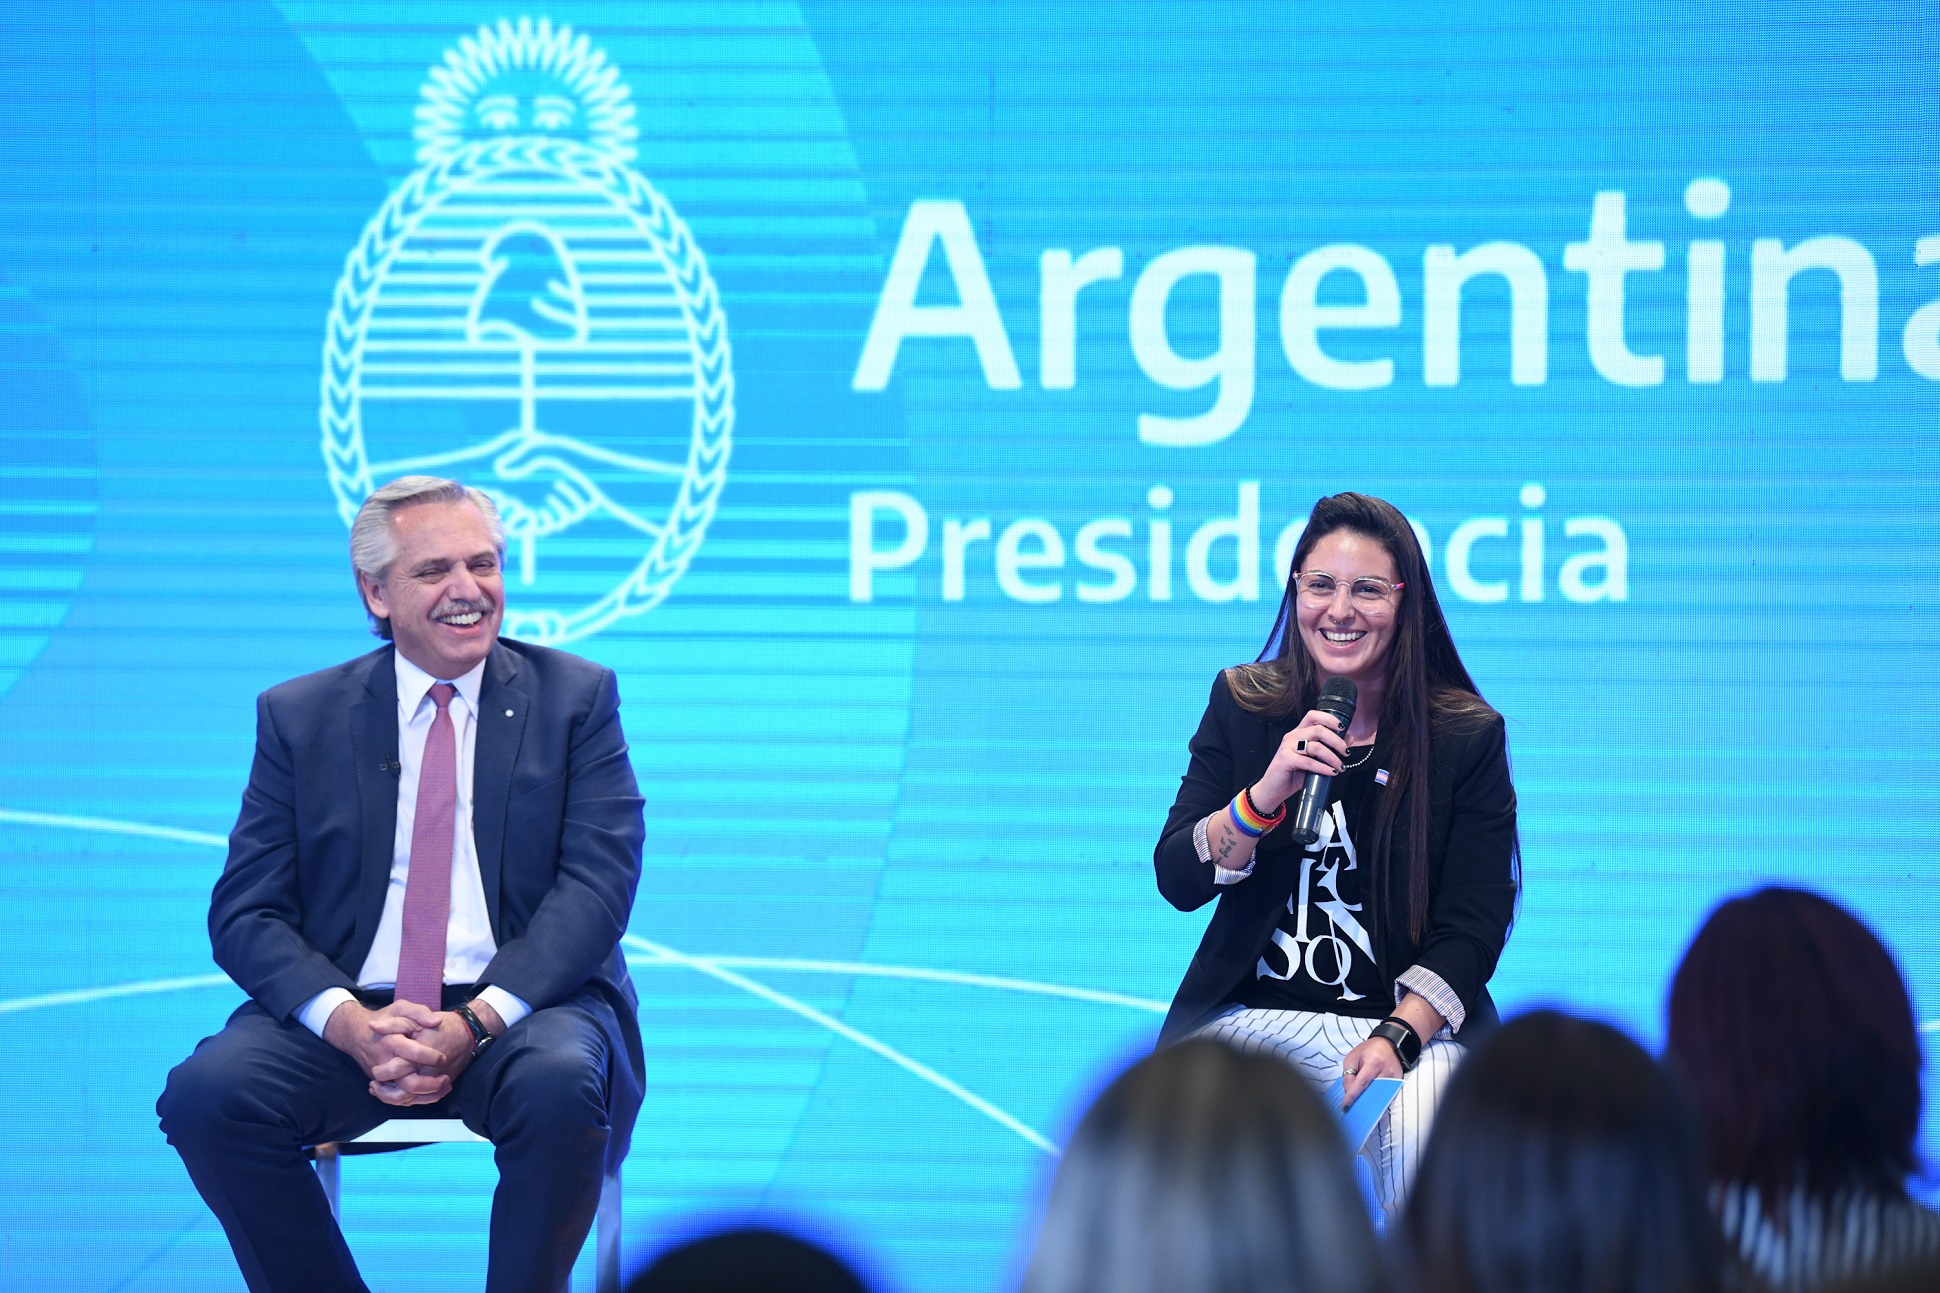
(470, 166)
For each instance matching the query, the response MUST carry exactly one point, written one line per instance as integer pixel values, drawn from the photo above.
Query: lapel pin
(508, 713)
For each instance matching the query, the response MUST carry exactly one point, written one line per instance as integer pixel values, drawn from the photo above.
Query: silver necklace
(1367, 752)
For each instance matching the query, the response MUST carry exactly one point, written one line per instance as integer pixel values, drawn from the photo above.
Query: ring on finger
(1299, 747)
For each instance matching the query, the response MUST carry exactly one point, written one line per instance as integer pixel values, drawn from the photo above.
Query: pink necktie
(427, 887)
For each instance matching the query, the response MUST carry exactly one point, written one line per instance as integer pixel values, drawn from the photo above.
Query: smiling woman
(1339, 969)
(1348, 596)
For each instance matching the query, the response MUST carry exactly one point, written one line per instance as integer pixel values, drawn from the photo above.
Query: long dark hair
(1563, 1157)
(1427, 682)
(1202, 1169)
(1826, 1095)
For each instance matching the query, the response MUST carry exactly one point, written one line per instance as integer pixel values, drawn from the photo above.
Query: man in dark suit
(425, 892)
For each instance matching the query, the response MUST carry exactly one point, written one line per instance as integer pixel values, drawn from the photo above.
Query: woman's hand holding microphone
(1316, 744)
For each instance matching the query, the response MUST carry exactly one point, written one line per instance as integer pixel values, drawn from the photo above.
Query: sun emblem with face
(526, 313)
(525, 78)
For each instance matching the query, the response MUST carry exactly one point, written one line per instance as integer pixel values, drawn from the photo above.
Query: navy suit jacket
(556, 817)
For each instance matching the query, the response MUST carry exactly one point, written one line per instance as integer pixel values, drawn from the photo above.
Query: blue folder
(1357, 1122)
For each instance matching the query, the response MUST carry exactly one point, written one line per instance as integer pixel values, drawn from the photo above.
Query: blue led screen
(916, 404)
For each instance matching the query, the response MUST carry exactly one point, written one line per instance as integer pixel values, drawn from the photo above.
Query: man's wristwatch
(482, 1036)
(1401, 1035)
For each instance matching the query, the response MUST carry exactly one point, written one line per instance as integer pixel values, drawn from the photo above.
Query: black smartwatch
(482, 1036)
(1401, 1035)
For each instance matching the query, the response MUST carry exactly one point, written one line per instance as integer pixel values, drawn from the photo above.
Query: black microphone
(1336, 698)
(396, 769)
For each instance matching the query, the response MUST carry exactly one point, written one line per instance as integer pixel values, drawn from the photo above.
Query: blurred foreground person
(1791, 1025)
(748, 1259)
(1564, 1160)
(1202, 1169)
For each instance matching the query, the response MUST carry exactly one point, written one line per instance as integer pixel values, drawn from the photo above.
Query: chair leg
(328, 1163)
(606, 1250)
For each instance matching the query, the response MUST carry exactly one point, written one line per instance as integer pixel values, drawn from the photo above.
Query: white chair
(409, 1133)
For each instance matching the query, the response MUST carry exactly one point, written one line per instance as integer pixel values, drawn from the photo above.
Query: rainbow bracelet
(1250, 821)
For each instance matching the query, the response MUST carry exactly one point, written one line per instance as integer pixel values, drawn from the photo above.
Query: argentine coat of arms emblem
(528, 314)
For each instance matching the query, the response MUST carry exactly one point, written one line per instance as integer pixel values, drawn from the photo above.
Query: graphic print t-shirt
(1321, 956)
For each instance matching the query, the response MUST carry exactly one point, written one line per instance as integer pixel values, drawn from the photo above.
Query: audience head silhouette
(1563, 1158)
(1205, 1170)
(1792, 1027)
(748, 1259)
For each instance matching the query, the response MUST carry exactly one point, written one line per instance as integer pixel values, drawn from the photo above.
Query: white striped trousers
(1317, 1044)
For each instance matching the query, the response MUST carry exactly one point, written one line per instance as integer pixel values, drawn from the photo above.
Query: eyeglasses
(1317, 588)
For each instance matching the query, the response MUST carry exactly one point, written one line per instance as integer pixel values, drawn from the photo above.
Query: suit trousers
(244, 1107)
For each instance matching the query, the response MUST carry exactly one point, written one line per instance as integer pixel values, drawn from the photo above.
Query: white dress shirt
(469, 945)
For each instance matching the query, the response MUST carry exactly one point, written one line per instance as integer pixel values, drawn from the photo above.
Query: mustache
(460, 606)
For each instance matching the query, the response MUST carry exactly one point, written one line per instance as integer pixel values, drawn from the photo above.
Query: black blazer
(556, 817)
(1472, 871)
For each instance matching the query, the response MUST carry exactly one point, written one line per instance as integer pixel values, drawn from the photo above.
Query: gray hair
(1201, 1169)
(373, 539)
